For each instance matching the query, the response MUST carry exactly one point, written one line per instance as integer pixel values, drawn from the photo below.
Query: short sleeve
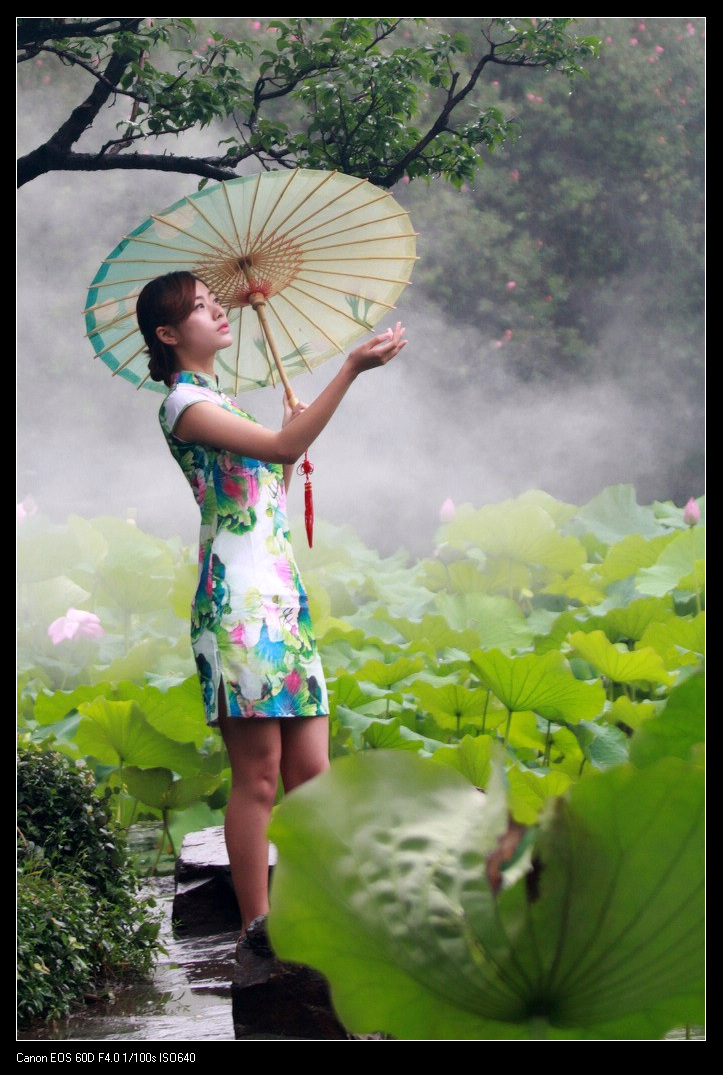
(179, 398)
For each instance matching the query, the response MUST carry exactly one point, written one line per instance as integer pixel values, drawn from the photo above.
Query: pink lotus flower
(24, 508)
(448, 511)
(511, 285)
(75, 624)
(691, 512)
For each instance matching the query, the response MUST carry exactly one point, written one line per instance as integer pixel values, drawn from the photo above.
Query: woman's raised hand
(291, 412)
(378, 350)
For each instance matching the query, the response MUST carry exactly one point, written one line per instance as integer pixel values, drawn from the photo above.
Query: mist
(403, 441)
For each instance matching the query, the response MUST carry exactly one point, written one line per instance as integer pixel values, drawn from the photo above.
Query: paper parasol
(305, 261)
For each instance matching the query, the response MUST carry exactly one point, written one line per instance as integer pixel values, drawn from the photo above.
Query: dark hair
(167, 300)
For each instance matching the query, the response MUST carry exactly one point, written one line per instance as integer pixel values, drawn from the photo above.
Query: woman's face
(204, 332)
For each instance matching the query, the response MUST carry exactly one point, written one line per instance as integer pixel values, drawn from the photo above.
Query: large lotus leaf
(392, 735)
(396, 674)
(472, 757)
(519, 531)
(466, 577)
(525, 733)
(679, 640)
(53, 707)
(176, 712)
(343, 651)
(183, 587)
(679, 731)
(620, 665)
(43, 553)
(437, 631)
(680, 564)
(497, 621)
(603, 745)
(630, 621)
(135, 660)
(559, 510)
(581, 586)
(539, 682)
(453, 705)
(116, 732)
(628, 556)
(632, 714)
(159, 789)
(137, 572)
(528, 791)
(346, 692)
(382, 885)
(39, 603)
(614, 513)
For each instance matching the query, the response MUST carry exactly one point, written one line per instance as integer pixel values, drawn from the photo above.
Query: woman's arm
(289, 414)
(205, 423)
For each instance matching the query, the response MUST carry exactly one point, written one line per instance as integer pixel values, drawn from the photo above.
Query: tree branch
(47, 159)
(33, 32)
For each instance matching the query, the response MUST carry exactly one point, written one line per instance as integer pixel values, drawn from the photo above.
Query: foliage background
(588, 372)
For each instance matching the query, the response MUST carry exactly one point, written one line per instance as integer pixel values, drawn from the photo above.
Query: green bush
(82, 919)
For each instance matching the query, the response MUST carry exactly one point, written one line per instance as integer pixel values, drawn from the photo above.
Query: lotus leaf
(402, 902)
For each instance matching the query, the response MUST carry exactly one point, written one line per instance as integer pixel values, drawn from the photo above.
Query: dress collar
(204, 380)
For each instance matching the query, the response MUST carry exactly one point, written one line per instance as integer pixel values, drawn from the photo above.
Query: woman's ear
(166, 334)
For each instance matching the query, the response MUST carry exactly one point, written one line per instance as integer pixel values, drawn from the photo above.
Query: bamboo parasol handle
(258, 302)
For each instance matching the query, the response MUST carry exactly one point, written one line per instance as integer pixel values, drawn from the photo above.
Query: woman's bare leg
(254, 750)
(304, 749)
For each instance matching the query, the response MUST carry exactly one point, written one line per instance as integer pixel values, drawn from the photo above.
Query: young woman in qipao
(256, 654)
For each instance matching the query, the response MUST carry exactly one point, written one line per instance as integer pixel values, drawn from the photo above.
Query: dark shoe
(256, 938)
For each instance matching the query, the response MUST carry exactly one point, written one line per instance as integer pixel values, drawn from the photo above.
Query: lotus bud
(691, 512)
(448, 511)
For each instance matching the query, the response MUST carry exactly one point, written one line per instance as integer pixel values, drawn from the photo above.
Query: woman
(256, 654)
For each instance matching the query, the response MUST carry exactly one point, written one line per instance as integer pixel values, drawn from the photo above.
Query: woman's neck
(193, 364)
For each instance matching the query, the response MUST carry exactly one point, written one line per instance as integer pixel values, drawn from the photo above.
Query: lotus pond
(509, 844)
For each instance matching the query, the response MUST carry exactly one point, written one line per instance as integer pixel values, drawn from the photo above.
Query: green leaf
(620, 664)
(119, 732)
(680, 564)
(679, 640)
(453, 705)
(679, 731)
(518, 531)
(628, 556)
(389, 897)
(497, 621)
(529, 791)
(159, 789)
(540, 682)
(614, 514)
(603, 745)
(395, 674)
(472, 757)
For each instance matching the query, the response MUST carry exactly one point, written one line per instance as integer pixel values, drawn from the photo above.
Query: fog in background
(402, 441)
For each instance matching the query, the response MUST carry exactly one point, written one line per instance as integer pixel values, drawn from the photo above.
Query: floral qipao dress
(250, 626)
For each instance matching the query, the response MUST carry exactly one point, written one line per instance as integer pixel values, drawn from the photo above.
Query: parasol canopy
(305, 262)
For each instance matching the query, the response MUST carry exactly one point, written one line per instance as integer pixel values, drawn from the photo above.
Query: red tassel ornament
(307, 469)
